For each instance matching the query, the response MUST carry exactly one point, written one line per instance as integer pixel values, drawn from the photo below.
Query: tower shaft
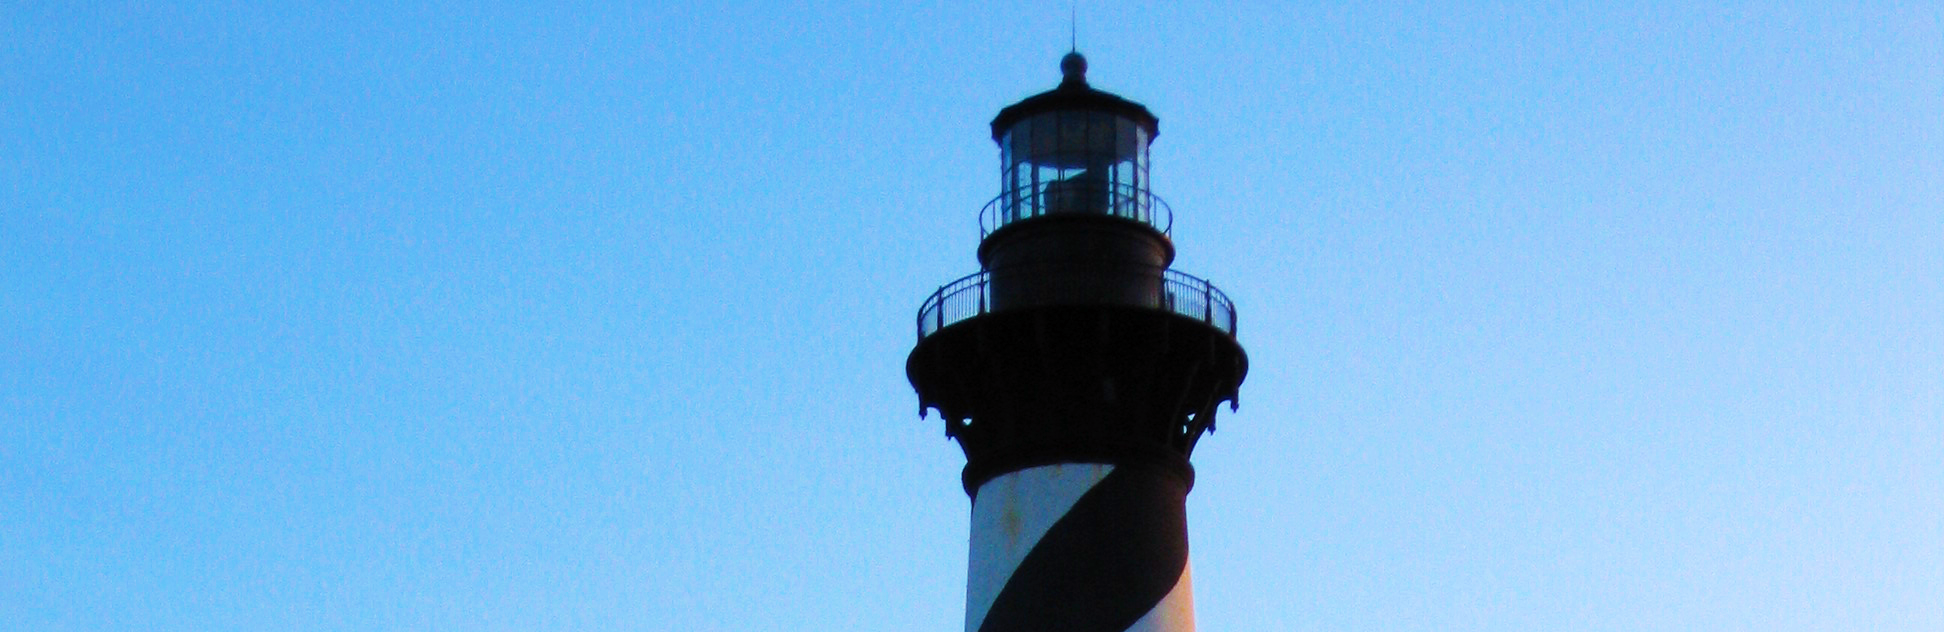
(1080, 546)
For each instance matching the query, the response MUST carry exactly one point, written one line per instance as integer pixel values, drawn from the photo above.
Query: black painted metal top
(1074, 95)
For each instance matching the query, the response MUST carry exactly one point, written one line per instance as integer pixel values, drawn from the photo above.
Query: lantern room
(1074, 149)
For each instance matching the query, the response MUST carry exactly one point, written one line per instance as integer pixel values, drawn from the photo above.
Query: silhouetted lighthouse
(1077, 372)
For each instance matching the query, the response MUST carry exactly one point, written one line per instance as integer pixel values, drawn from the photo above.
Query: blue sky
(333, 316)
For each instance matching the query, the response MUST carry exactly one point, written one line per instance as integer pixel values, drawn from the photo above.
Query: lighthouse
(1077, 371)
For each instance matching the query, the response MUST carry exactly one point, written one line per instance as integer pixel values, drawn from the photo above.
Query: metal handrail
(1178, 292)
(1065, 196)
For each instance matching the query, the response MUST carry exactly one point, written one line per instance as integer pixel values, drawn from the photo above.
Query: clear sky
(551, 316)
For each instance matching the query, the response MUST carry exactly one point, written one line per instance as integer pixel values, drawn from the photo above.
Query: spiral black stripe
(1113, 556)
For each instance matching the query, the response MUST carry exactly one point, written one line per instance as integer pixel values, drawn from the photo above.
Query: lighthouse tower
(1077, 371)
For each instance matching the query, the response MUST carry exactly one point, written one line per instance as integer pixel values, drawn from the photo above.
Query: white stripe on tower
(1079, 546)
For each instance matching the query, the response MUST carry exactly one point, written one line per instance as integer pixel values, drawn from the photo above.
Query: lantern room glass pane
(1074, 162)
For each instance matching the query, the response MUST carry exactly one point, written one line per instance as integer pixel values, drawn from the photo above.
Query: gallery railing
(1175, 292)
(1068, 196)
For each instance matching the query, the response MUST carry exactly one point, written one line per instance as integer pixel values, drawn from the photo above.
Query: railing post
(1208, 302)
